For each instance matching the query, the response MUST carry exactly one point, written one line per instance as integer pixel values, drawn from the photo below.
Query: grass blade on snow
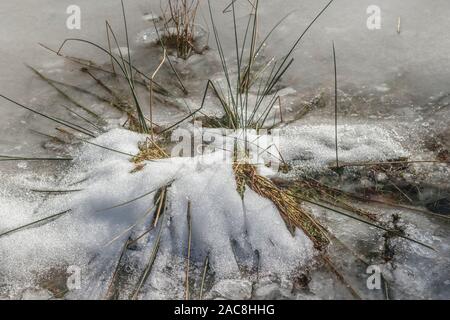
(35, 223)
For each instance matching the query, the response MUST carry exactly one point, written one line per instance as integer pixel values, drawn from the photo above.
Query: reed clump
(289, 207)
(179, 26)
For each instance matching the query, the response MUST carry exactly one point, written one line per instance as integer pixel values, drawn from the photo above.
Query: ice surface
(410, 63)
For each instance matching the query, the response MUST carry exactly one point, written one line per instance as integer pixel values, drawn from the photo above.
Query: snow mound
(240, 236)
(234, 233)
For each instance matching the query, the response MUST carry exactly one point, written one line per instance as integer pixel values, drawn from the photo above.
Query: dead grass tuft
(288, 206)
(149, 150)
(179, 26)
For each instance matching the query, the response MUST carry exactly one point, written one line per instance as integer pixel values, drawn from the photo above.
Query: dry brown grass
(288, 206)
(148, 150)
(179, 25)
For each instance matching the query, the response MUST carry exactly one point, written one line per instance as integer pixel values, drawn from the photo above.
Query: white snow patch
(221, 227)
(313, 146)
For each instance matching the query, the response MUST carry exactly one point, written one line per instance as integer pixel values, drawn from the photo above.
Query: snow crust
(238, 235)
(225, 227)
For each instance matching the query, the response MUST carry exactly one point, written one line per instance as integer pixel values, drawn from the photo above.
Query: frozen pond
(409, 68)
(415, 58)
(394, 102)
